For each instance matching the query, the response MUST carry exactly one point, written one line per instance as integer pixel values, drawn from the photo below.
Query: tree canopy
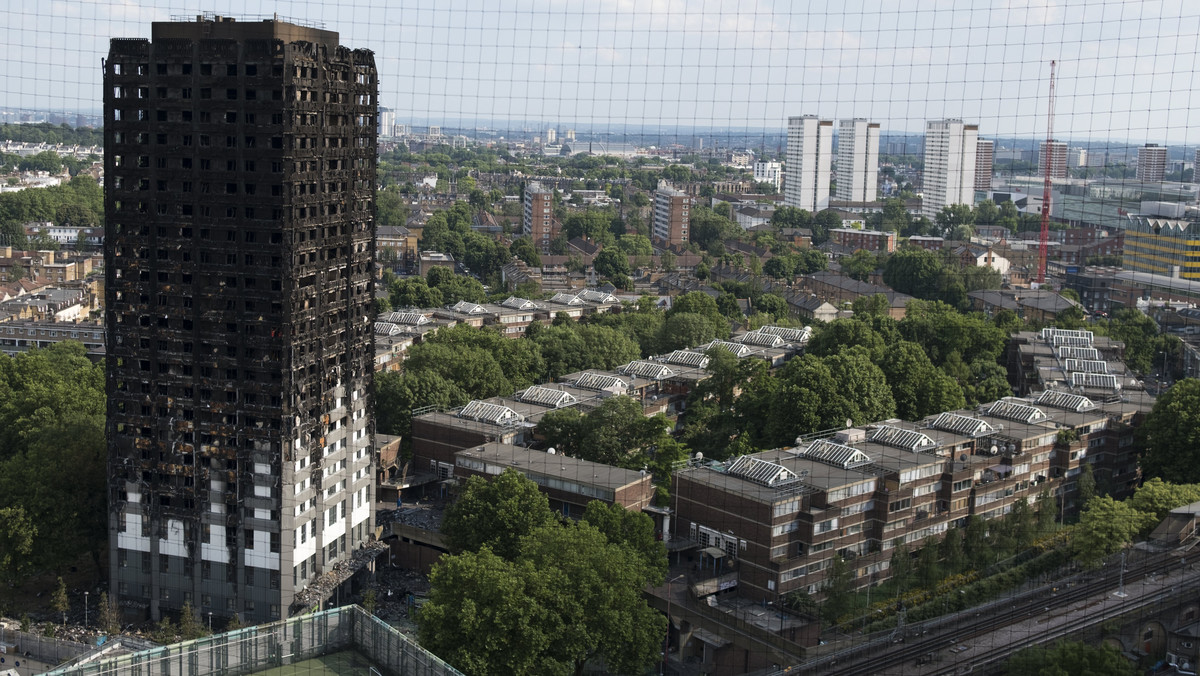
(52, 408)
(496, 514)
(525, 593)
(1169, 437)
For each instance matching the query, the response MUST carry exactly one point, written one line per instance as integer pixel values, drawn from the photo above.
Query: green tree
(164, 632)
(919, 387)
(1169, 438)
(954, 559)
(1070, 658)
(570, 597)
(815, 393)
(975, 543)
(635, 245)
(809, 261)
(592, 224)
(596, 598)
(109, 615)
(52, 408)
(485, 616)
(59, 601)
(845, 333)
(523, 248)
(685, 330)
(859, 265)
(929, 570)
(413, 292)
(454, 287)
(780, 267)
(839, 587)
(709, 229)
(189, 626)
(369, 602)
(611, 262)
(953, 216)
(397, 394)
(474, 370)
(876, 305)
(1047, 510)
(1106, 526)
(564, 430)
(606, 348)
(631, 529)
(702, 304)
(913, 271)
(496, 513)
(773, 305)
(1085, 484)
(1158, 497)
(822, 222)
(901, 565)
(389, 207)
(618, 428)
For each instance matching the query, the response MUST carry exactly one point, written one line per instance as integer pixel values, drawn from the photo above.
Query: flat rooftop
(554, 466)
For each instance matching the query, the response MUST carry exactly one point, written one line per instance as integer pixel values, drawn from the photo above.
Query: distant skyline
(1127, 70)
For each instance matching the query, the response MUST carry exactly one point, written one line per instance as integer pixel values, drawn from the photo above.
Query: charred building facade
(239, 196)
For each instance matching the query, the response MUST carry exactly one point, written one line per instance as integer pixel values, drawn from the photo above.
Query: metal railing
(278, 644)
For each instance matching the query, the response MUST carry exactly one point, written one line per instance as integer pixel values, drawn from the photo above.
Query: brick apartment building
(780, 516)
(871, 240)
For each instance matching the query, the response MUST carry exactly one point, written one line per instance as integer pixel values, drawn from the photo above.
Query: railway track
(935, 636)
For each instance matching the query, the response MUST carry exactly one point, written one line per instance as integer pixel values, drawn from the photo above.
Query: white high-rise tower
(858, 160)
(950, 149)
(809, 151)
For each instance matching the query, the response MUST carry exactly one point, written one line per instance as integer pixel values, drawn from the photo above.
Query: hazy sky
(1127, 69)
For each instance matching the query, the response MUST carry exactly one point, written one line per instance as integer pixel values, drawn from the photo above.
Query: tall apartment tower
(671, 215)
(858, 160)
(1057, 151)
(950, 148)
(539, 216)
(551, 135)
(1152, 162)
(239, 173)
(985, 155)
(809, 151)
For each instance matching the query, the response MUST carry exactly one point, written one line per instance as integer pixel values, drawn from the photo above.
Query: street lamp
(85, 610)
(1120, 593)
(210, 621)
(667, 638)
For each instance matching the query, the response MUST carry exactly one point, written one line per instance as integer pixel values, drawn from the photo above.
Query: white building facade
(809, 153)
(858, 160)
(950, 147)
(769, 172)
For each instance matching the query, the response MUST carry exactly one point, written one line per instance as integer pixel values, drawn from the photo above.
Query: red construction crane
(1048, 151)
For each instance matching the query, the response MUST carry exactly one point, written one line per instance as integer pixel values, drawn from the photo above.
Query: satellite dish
(995, 449)
(849, 422)
(699, 455)
(962, 458)
(1012, 448)
(551, 450)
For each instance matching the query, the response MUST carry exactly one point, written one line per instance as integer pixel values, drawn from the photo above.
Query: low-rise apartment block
(871, 240)
(781, 516)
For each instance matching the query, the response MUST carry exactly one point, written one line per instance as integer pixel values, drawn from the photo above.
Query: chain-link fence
(277, 645)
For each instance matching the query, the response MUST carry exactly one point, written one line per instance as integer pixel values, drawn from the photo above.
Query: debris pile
(321, 588)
